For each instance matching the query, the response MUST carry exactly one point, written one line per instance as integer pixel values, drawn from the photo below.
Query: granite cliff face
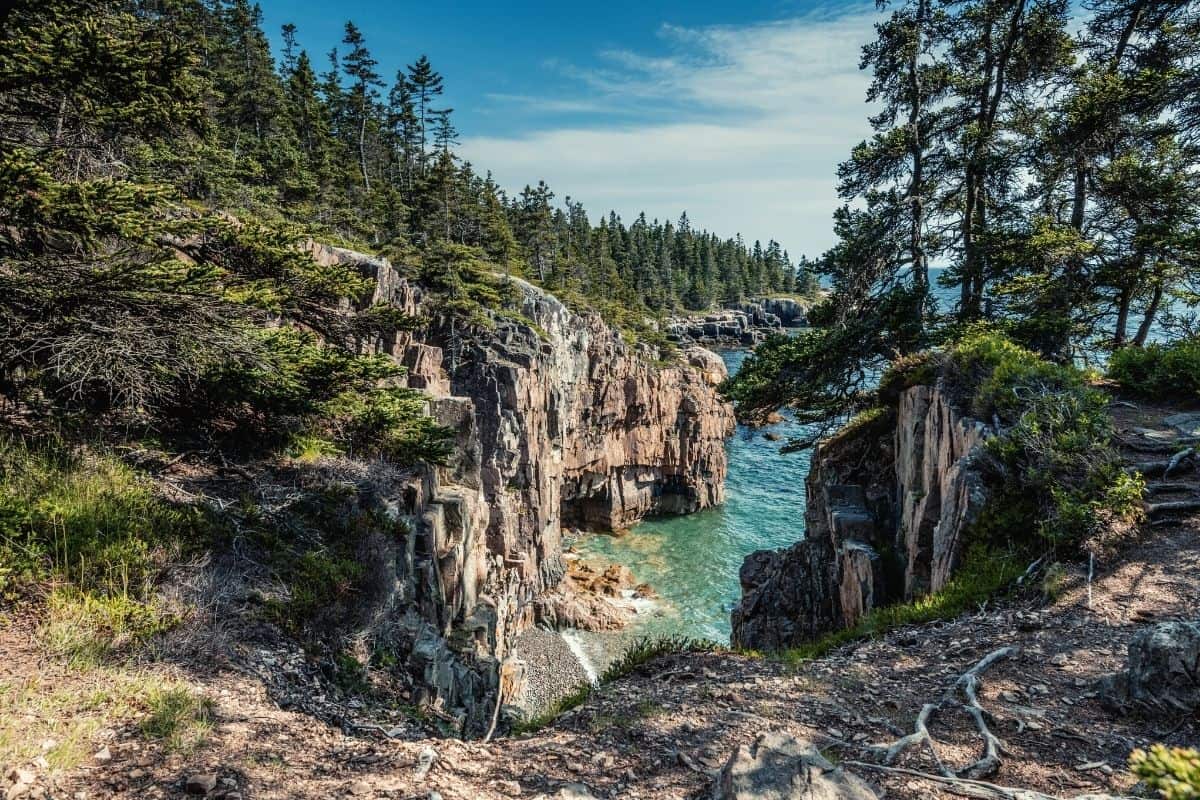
(888, 502)
(558, 423)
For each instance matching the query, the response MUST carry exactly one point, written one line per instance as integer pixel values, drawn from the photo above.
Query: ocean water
(692, 561)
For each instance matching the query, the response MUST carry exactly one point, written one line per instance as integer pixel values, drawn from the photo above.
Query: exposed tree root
(968, 684)
(1154, 510)
(1177, 459)
(966, 787)
(1165, 487)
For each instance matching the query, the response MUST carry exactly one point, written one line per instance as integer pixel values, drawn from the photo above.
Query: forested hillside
(203, 113)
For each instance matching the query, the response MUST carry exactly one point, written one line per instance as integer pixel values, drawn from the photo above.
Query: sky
(737, 113)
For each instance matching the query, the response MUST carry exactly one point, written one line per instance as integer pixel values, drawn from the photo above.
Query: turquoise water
(692, 561)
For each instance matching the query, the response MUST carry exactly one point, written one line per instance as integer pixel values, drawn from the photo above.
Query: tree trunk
(1148, 319)
(920, 266)
(362, 146)
(1120, 331)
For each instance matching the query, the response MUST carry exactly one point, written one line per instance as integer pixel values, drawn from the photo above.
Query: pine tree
(426, 85)
(360, 68)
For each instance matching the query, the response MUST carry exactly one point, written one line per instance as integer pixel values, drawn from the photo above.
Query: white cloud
(741, 126)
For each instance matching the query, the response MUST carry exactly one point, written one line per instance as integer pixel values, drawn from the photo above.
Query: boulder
(1187, 424)
(1163, 673)
(778, 766)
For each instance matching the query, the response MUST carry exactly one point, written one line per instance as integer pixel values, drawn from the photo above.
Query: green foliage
(1058, 474)
(177, 717)
(82, 518)
(999, 376)
(1174, 773)
(983, 573)
(1158, 371)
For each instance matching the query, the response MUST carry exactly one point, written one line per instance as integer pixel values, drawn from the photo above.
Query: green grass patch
(87, 629)
(78, 516)
(178, 717)
(60, 719)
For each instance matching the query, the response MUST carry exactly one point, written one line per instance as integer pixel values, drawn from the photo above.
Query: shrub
(1055, 467)
(1001, 377)
(1174, 773)
(1158, 370)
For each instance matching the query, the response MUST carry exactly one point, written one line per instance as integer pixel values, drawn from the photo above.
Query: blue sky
(737, 113)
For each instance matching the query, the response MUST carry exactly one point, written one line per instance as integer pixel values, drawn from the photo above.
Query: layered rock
(558, 422)
(888, 502)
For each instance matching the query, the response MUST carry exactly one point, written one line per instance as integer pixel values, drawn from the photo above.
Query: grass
(87, 629)
(177, 717)
(80, 517)
(982, 575)
(59, 717)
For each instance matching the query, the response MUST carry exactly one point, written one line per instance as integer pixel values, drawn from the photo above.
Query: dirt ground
(665, 730)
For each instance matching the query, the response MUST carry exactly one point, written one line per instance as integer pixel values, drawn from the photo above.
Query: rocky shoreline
(742, 324)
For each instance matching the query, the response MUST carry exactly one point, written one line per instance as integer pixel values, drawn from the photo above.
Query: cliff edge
(558, 422)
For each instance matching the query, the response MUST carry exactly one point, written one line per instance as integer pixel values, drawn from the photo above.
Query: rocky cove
(561, 426)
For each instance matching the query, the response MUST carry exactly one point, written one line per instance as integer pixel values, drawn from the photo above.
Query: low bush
(1052, 465)
(1158, 371)
(1174, 773)
(998, 378)
(1056, 473)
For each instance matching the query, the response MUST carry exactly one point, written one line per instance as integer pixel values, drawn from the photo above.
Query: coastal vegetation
(1053, 176)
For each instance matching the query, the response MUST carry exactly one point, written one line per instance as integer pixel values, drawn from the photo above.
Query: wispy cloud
(742, 126)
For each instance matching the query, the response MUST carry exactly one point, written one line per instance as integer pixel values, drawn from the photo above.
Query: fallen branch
(968, 684)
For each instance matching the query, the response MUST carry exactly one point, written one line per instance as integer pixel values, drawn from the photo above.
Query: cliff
(559, 423)
(887, 503)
